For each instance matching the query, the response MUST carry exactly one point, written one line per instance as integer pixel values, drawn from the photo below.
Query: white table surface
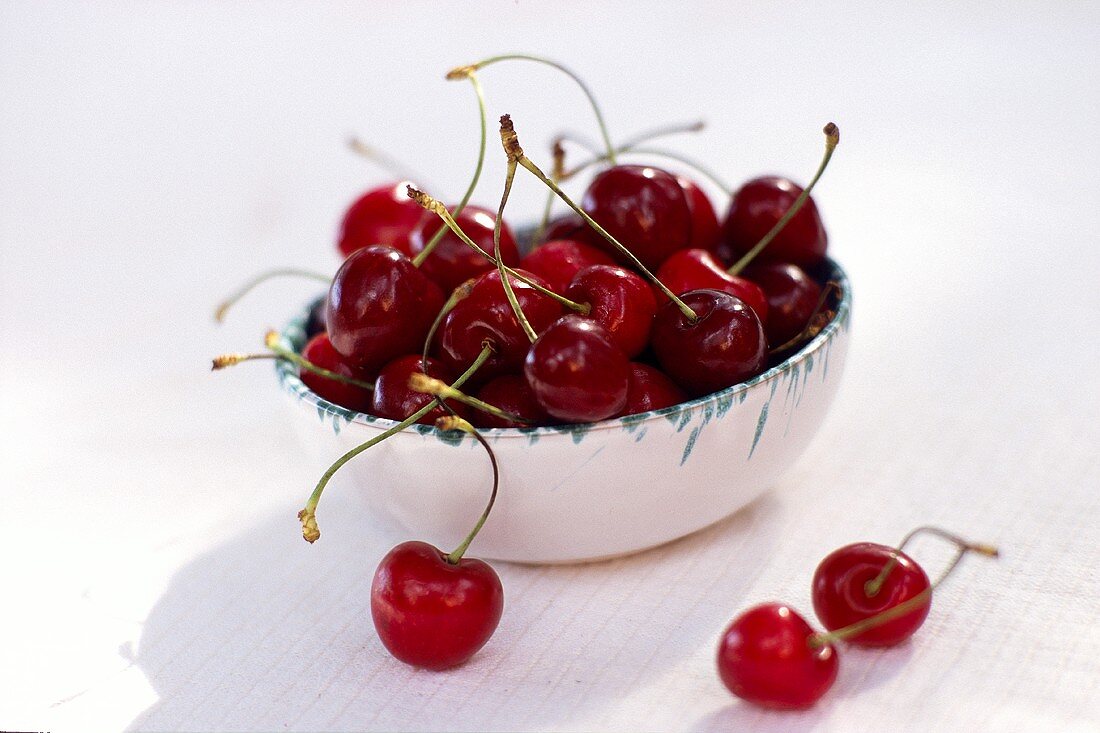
(152, 156)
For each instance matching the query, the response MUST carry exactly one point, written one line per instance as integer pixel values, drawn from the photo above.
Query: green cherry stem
(453, 422)
(423, 254)
(509, 293)
(386, 162)
(308, 515)
(459, 293)
(281, 353)
(438, 388)
(557, 151)
(248, 287)
(873, 586)
(515, 152)
(461, 71)
(832, 138)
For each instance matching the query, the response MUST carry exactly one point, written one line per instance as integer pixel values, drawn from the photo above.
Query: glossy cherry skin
(452, 262)
(765, 657)
(650, 389)
(558, 261)
(485, 315)
(694, 269)
(383, 215)
(380, 307)
(724, 346)
(511, 393)
(394, 400)
(754, 210)
(320, 353)
(577, 374)
(705, 230)
(566, 226)
(644, 208)
(431, 613)
(841, 599)
(622, 302)
(792, 298)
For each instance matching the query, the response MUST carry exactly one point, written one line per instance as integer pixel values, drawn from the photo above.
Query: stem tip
(832, 134)
(309, 526)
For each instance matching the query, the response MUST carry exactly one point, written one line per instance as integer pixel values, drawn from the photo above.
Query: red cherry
(511, 393)
(644, 208)
(694, 269)
(705, 231)
(431, 613)
(380, 307)
(576, 372)
(622, 302)
(766, 657)
(319, 352)
(566, 226)
(383, 215)
(394, 400)
(723, 346)
(558, 261)
(755, 209)
(453, 262)
(486, 315)
(650, 389)
(792, 298)
(841, 595)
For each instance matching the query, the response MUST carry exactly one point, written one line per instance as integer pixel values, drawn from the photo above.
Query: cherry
(756, 207)
(768, 657)
(393, 399)
(692, 269)
(379, 307)
(645, 208)
(430, 612)
(566, 226)
(792, 297)
(320, 353)
(650, 389)
(705, 230)
(485, 315)
(559, 260)
(452, 262)
(621, 301)
(576, 372)
(511, 393)
(382, 215)
(723, 346)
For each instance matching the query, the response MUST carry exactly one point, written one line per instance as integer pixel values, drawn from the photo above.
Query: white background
(154, 155)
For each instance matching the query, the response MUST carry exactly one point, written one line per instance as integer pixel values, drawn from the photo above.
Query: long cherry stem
(832, 139)
(515, 152)
(248, 287)
(509, 293)
(459, 293)
(438, 388)
(423, 254)
(873, 586)
(557, 151)
(453, 422)
(308, 515)
(280, 352)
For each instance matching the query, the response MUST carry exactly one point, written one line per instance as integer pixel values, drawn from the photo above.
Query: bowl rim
(294, 335)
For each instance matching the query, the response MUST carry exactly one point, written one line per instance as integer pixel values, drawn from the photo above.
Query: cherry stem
(434, 206)
(557, 150)
(811, 329)
(386, 162)
(465, 70)
(248, 287)
(515, 152)
(308, 515)
(438, 388)
(223, 361)
(459, 293)
(423, 254)
(273, 342)
(453, 422)
(832, 138)
(504, 281)
(873, 586)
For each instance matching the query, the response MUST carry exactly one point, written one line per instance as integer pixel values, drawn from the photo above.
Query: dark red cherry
(695, 269)
(841, 595)
(380, 307)
(393, 399)
(431, 613)
(705, 230)
(485, 315)
(766, 657)
(577, 374)
(755, 209)
(724, 346)
(644, 208)
(622, 302)
(319, 352)
(452, 262)
(650, 389)
(511, 393)
(566, 226)
(558, 261)
(383, 215)
(792, 298)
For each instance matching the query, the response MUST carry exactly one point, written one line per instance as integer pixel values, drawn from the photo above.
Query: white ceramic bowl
(583, 492)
